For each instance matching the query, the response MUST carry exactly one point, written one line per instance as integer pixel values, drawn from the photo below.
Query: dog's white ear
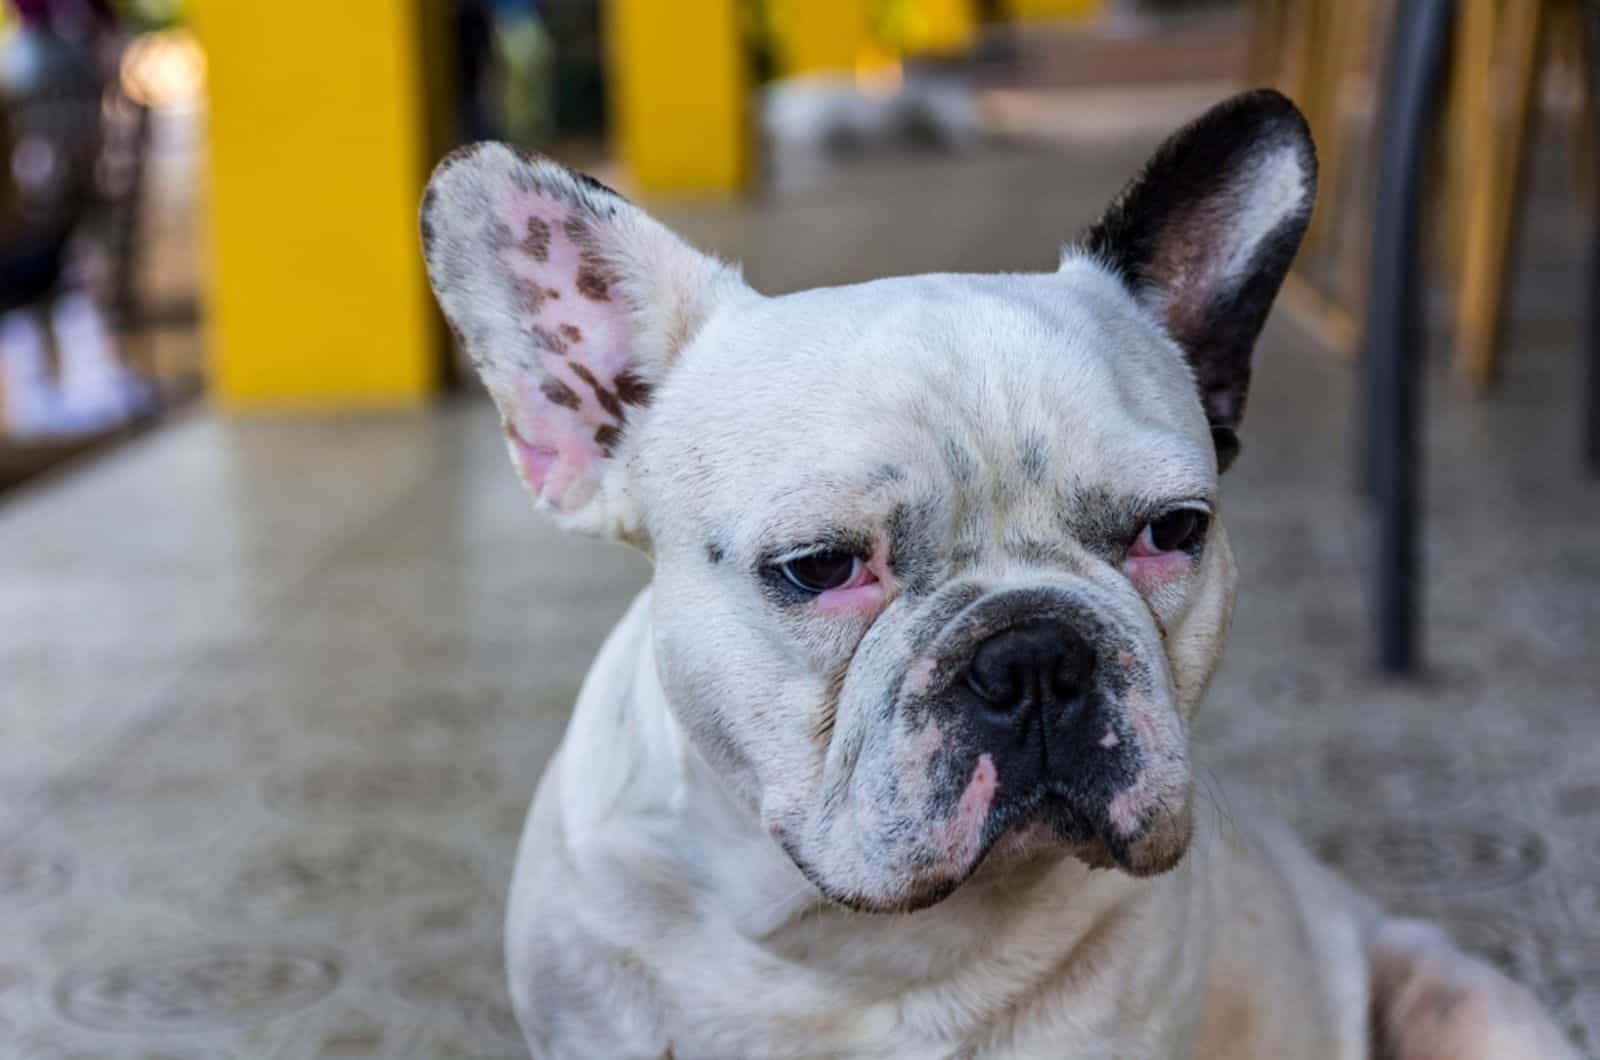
(572, 305)
(1204, 236)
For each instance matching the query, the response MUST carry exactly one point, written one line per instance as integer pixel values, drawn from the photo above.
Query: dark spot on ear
(1227, 446)
(499, 236)
(552, 294)
(548, 340)
(571, 333)
(536, 243)
(606, 436)
(607, 399)
(594, 284)
(559, 393)
(459, 154)
(429, 200)
(594, 185)
(632, 390)
(532, 296)
(714, 552)
(577, 230)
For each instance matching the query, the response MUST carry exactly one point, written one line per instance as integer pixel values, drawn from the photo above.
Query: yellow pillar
(680, 94)
(318, 145)
(1025, 10)
(820, 35)
(932, 27)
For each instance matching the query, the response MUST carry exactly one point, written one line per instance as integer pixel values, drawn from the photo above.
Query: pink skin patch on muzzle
(962, 836)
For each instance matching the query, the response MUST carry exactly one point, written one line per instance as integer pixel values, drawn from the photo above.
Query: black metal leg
(1416, 62)
(1591, 412)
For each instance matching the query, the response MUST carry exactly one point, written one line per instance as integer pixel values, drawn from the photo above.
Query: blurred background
(283, 647)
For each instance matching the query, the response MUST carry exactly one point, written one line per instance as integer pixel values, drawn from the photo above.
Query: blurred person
(53, 71)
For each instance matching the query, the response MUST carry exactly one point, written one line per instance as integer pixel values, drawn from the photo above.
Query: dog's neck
(658, 808)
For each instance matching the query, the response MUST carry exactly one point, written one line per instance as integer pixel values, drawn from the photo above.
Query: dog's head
(939, 563)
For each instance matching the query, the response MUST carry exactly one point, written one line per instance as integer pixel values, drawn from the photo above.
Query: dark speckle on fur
(1033, 455)
(885, 475)
(533, 297)
(606, 436)
(1033, 552)
(594, 284)
(714, 552)
(1102, 522)
(631, 390)
(959, 459)
(594, 185)
(571, 332)
(536, 242)
(559, 393)
(913, 545)
(602, 394)
(429, 201)
(499, 235)
(548, 340)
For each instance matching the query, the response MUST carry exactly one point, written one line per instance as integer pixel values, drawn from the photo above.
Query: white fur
(679, 883)
(654, 915)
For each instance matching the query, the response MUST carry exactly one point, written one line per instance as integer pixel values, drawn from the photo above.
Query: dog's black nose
(1038, 671)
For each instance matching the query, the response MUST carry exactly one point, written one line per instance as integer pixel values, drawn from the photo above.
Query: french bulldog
(892, 759)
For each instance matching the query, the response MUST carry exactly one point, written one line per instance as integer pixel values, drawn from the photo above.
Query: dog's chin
(1047, 833)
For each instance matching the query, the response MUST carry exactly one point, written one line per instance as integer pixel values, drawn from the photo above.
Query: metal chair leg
(1416, 64)
(1591, 30)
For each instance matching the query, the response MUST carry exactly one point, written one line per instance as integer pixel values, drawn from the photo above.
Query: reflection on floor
(276, 693)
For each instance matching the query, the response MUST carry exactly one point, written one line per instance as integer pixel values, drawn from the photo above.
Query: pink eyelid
(1143, 548)
(863, 592)
(861, 574)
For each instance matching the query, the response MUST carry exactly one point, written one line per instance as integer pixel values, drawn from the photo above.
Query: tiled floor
(273, 695)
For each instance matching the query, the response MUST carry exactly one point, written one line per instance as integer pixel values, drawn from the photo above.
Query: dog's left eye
(820, 571)
(1172, 532)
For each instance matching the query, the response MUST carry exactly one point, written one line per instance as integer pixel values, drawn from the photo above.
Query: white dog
(892, 759)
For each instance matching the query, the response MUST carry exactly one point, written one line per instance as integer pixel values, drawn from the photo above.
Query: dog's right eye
(820, 571)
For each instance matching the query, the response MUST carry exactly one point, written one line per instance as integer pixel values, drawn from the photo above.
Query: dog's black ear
(1204, 235)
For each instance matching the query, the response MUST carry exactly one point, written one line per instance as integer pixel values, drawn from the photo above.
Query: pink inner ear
(568, 395)
(534, 463)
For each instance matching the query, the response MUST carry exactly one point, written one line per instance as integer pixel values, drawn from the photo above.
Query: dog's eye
(820, 571)
(1172, 532)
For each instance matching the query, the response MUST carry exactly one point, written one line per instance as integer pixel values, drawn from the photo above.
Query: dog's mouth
(1052, 824)
(1047, 825)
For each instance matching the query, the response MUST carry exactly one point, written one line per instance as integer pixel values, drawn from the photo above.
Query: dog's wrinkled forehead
(1009, 378)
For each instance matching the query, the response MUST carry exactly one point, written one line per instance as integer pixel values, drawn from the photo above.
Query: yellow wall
(317, 292)
(680, 94)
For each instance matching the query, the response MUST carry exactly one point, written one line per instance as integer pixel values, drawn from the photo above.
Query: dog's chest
(717, 995)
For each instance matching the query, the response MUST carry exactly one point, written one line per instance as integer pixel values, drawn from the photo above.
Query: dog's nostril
(993, 684)
(1029, 668)
(1074, 671)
